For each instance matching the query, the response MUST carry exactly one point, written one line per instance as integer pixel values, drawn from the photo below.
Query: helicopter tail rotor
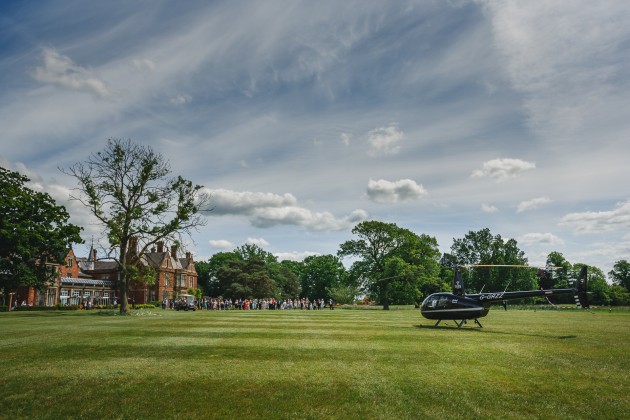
(581, 296)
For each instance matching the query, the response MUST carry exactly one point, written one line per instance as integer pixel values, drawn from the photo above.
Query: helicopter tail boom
(579, 292)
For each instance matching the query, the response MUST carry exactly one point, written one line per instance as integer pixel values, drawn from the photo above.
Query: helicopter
(461, 307)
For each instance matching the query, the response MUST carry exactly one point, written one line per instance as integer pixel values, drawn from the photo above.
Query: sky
(304, 118)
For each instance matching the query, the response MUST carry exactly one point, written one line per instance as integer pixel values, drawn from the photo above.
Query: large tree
(246, 279)
(321, 273)
(484, 248)
(130, 190)
(620, 274)
(250, 272)
(286, 280)
(393, 262)
(598, 288)
(208, 272)
(34, 233)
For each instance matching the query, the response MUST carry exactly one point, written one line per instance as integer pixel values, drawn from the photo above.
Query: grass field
(313, 364)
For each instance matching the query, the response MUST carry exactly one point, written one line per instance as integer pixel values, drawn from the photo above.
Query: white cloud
(540, 238)
(385, 140)
(294, 256)
(257, 241)
(60, 70)
(599, 221)
(221, 244)
(503, 169)
(382, 191)
(246, 203)
(345, 138)
(532, 204)
(489, 208)
(20, 168)
(267, 209)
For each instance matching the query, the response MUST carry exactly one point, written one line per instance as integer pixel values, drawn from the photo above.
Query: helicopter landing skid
(460, 324)
(465, 321)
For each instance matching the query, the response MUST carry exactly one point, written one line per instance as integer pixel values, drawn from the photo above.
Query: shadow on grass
(484, 331)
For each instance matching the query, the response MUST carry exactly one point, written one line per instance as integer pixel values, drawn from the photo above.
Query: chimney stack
(93, 255)
(160, 246)
(188, 255)
(174, 251)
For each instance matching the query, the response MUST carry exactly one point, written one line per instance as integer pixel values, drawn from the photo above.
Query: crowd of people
(256, 304)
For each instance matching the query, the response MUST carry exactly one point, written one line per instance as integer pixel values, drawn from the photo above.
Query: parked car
(186, 303)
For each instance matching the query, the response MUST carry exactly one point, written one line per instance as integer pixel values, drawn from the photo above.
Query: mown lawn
(313, 364)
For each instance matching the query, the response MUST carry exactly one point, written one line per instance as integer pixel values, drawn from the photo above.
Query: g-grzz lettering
(489, 296)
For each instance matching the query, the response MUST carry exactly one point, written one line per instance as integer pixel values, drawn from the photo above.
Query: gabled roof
(185, 262)
(155, 259)
(105, 266)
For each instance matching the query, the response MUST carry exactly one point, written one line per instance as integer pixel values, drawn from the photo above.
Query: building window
(190, 282)
(167, 279)
(69, 262)
(51, 297)
(76, 297)
(64, 297)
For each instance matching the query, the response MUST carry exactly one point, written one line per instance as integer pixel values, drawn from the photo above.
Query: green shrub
(103, 307)
(145, 306)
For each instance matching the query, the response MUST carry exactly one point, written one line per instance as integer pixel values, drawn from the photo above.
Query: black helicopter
(460, 307)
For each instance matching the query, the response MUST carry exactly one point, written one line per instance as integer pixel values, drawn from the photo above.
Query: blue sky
(304, 118)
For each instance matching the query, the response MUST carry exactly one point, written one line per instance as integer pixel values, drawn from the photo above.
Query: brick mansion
(83, 280)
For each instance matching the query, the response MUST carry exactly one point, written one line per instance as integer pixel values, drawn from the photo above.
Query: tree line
(131, 194)
(395, 266)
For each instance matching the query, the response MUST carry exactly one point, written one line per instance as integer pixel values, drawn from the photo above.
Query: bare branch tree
(128, 188)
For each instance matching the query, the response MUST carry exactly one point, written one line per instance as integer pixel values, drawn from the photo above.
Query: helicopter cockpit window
(443, 301)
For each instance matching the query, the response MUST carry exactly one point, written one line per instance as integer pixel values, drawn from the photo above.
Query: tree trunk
(124, 306)
(122, 281)
(386, 304)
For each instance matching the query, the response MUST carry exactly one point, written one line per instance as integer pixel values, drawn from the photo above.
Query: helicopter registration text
(491, 296)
